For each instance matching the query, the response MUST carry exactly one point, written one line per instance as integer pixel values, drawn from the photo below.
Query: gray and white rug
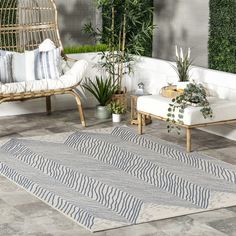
(114, 178)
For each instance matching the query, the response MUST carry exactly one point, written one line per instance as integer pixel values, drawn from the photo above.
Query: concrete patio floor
(23, 214)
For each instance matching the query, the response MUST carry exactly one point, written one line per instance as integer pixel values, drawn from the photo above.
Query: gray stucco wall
(180, 22)
(183, 23)
(72, 15)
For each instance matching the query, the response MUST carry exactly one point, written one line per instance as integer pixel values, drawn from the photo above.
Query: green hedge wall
(222, 38)
(85, 48)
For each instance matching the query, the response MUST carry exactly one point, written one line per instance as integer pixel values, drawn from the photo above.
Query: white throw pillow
(4, 53)
(6, 68)
(47, 45)
(23, 66)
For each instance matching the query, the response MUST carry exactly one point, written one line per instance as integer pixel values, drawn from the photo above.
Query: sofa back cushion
(219, 84)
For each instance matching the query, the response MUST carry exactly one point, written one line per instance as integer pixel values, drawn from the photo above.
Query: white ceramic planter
(182, 85)
(116, 118)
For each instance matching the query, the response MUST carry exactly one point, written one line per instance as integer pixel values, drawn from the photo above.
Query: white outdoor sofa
(222, 98)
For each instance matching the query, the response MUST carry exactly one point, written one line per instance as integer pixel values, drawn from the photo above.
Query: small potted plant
(183, 66)
(117, 109)
(102, 89)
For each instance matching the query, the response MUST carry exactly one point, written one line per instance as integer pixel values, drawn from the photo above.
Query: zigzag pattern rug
(104, 180)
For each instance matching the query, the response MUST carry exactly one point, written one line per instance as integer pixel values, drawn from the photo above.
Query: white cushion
(5, 69)
(69, 79)
(46, 45)
(219, 84)
(157, 105)
(23, 66)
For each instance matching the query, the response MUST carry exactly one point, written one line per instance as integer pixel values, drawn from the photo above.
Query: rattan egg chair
(24, 24)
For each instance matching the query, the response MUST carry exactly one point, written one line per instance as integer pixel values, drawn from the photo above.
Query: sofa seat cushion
(69, 79)
(158, 105)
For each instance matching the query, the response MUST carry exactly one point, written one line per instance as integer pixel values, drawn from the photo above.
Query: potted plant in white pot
(182, 68)
(117, 109)
(102, 89)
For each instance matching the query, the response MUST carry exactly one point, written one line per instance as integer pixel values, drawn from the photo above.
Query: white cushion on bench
(69, 79)
(158, 105)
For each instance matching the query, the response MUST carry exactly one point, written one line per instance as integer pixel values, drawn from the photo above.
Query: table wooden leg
(140, 125)
(188, 141)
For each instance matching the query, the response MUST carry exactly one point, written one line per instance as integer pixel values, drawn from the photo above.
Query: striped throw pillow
(6, 69)
(48, 64)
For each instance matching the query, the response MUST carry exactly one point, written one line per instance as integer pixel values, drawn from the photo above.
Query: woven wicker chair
(24, 24)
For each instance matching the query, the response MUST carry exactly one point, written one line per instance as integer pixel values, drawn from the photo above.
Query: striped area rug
(104, 180)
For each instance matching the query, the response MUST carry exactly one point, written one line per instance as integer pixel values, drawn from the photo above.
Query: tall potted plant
(103, 90)
(125, 32)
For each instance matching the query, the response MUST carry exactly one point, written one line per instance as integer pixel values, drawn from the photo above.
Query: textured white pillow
(23, 66)
(46, 45)
(6, 68)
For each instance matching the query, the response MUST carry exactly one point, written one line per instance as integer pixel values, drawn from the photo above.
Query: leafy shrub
(85, 48)
(222, 38)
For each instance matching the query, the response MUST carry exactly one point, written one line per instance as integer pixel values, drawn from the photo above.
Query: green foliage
(116, 108)
(85, 48)
(127, 28)
(222, 35)
(139, 28)
(193, 95)
(183, 63)
(139, 24)
(101, 89)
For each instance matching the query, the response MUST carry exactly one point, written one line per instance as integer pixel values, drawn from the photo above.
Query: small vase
(116, 118)
(102, 113)
(182, 85)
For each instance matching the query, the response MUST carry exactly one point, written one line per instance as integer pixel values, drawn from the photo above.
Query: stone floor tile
(7, 230)
(26, 217)
(37, 234)
(9, 214)
(232, 209)
(227, 226)
(210, 216)
(185, 226)
(36, 209)
(137, 230)
(20, 198)
(36, 132)
(7, 186)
